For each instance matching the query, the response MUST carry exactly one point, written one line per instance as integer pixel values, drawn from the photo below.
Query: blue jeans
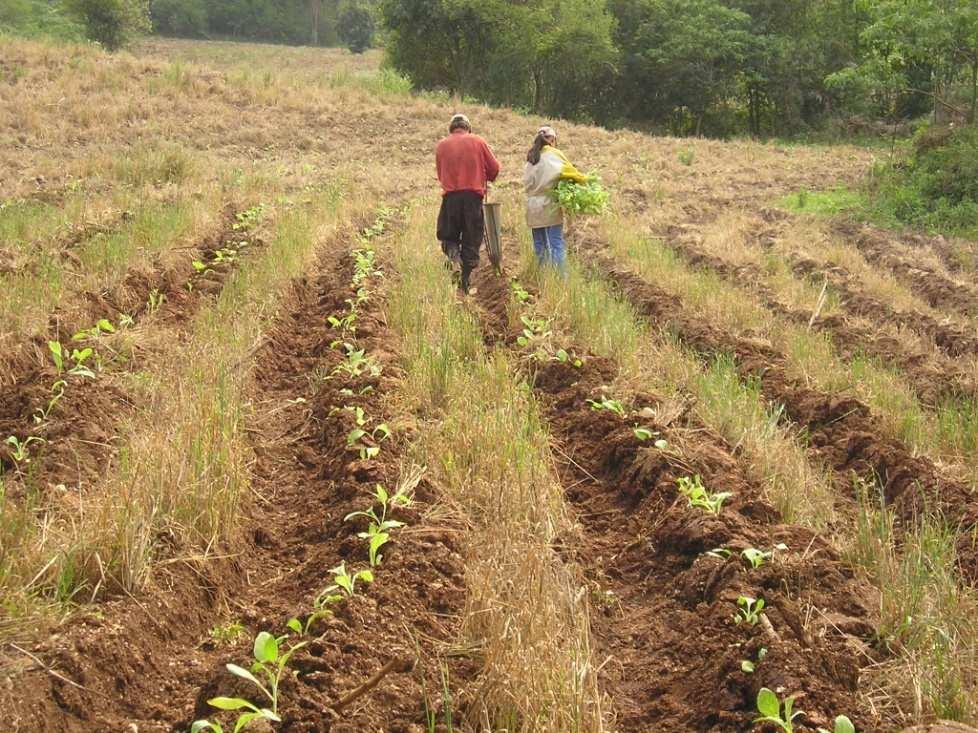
(548, 243)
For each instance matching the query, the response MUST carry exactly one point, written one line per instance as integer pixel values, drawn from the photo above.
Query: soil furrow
(842, 432)
(76, 435)
(933, 377)
(662, 609)
(939, 290)
(305, 482)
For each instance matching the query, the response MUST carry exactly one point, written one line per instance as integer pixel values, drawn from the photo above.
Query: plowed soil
(154, 657)
(662, 608)
(843, 432)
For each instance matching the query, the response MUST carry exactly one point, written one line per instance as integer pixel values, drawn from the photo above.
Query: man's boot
(465, 286)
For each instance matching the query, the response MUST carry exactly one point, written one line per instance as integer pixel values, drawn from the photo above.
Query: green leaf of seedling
(355, 435)
(381, 493)
(661, 444)
(642, 434)
(522, 340)
(768, 703)
(721, 553)
(247, 718)
(266, 647)
(231, 703)
(747, 666)
(295, 625)
(562, 355)
(200, 725)
(761, 653)
(372, 451)
(843, 725)
(366, 576)
(381, 433)
(57, 353)
(106, 325)
(243, 674)
(376, 542)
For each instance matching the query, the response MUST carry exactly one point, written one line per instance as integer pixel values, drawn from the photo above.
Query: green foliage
(698, 496)
(356, 28)
(581, 198)
(769, 707)
(556, 56)
(33, 18)
(749, 610)
(111, 23)
(824, 203)
(936, 188)
(184, 18)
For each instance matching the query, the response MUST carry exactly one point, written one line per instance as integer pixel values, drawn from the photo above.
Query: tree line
(716, 67)
(688, 67)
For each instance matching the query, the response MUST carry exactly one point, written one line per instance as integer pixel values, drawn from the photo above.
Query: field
(236, 377)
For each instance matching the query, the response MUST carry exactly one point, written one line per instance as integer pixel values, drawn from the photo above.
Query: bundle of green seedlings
(576, 198)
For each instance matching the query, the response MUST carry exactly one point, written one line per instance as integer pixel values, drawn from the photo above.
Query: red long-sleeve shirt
(464, 163)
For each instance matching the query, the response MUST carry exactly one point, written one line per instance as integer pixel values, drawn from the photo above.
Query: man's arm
(490, 162)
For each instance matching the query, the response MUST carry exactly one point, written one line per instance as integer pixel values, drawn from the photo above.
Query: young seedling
(355, 441)
(80, 356)
(755, 558)
(720, 553)
(347, 583)
(266, 674)
(357, 362)
(320, 610)
(521, 294)
(155, 302)
(747, 666)
(534, 330)
(57, 392)
(95, 332)
(769, 706)
(698, 496)
(378, 529)
(842, 724)
(58, 355)
(248, 218)
(20, 454)
(643, 434)
(749, 610)
(610, 405)
(563, 357)
(228, 633)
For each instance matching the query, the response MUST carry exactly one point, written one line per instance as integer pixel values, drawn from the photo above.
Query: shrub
(112, 23)
(356, 28)
(937, 186)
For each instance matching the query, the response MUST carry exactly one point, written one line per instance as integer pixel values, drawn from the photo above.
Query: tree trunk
(974, 89)
(315, 8)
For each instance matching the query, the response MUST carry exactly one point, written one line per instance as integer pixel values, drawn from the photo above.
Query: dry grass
(487, 448)
(943, 433)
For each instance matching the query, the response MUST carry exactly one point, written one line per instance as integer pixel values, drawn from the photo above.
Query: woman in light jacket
(545, 168)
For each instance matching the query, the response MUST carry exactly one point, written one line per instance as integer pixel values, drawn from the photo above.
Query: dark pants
(461, 226)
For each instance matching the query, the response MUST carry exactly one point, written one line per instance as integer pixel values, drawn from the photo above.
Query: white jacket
(540, 180)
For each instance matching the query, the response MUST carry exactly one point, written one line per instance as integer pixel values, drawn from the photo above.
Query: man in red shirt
(465, 164)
